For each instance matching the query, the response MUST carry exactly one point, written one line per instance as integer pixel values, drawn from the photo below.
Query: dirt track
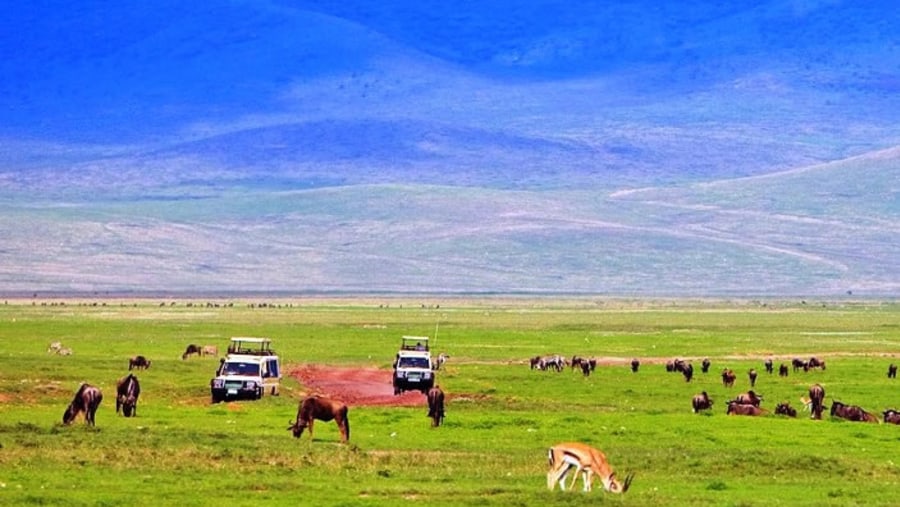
(354, 386)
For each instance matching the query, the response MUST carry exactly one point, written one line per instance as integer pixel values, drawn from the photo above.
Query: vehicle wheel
(259, 393)
(397, 391)
(216, 399)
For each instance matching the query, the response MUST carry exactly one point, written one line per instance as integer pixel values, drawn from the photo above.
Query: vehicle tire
(259, 393)
(216, 399)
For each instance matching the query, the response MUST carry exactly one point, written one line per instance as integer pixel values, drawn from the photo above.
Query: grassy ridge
(501, 415)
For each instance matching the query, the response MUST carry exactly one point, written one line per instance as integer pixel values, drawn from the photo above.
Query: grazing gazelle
(588, 461)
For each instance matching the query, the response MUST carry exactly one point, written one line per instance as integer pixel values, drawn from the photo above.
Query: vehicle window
(241, 369)
(273, 368)
(413, 362)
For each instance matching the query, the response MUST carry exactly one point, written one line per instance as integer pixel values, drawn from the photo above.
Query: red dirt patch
(354, 386)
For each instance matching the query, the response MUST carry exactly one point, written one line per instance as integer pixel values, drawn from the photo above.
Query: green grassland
(501, 416)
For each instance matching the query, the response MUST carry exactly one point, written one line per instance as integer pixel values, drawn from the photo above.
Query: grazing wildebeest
(728, 377)
(798, 364)
(752, 375)
(535, 362)
(701, 401)
(676, 365)
(139, 362)
(324, 409)
(815, 362)
(688, 371)
(556, 362)
(891, 416)
(127, 391)
(892, 371)
(769, 366)
(586, 368)
(209, 350)
(816, 400)
(735, 408)
(436, 406)
(86, 400)
(191, 349)
(785, 409)
(783, 370)
(704, 366)
(749, 398)
(851, 412)
(635, 365)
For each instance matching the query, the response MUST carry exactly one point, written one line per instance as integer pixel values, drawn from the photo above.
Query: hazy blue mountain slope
(753, 236)
(635, 147)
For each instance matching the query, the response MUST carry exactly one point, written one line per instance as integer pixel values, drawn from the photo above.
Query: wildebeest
(535, 362)
(701, 401)
(735, 408)
(676, 365)
(816, 400)
(704, 366)
(324, 409)
(436, 406)
(749, 398)
(891, 416)
(635, 365)
(191, 349)
(728, 377)
(138, 362)
(851, 412)
(209, 350)
(688, 371)
(783, 370)
(128, 389)
(556, 362)
(86, 400)
(785, 409)
(892, 371)
(768, 365)
(815, 362)
(799, 363)
(752, 374)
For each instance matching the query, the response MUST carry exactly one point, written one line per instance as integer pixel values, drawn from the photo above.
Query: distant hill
(553, 147)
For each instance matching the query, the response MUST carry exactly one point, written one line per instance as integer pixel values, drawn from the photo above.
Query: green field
(501, 416)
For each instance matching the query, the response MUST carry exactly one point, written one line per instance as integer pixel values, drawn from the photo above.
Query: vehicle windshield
(413, 362)
(238, 368)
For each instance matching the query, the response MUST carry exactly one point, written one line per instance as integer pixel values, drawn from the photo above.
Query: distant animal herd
(747, 403)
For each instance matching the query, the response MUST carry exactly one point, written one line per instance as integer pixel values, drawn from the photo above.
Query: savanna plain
(502, 416)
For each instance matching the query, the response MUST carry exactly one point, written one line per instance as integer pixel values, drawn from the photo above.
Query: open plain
(501, 415)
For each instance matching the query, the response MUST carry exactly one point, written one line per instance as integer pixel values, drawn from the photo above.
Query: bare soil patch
(354, 386)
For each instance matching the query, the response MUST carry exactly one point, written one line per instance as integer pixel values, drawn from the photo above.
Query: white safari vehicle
(413, 370)
(249, 370)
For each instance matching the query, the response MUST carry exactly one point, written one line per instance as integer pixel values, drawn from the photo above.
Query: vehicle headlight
(218, 383)
(250, 385)
(427, 375)
(401, 374)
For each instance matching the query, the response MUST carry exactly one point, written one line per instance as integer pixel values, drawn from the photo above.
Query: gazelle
(588, 461)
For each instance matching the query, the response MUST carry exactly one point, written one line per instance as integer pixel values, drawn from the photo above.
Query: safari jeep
(412, 366)
(249, 370)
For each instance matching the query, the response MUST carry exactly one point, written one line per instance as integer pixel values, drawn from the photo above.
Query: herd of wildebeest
(746, 403)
